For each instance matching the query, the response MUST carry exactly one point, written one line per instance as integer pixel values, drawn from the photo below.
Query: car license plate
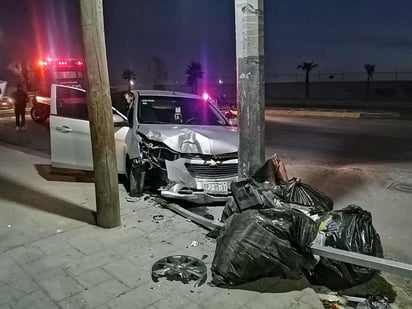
(215, 187)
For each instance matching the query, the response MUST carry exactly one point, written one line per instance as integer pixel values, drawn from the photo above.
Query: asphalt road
(340, 141)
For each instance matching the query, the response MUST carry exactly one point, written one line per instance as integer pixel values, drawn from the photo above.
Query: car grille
(212, 172)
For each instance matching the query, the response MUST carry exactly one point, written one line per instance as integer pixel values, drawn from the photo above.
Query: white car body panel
(71, 142)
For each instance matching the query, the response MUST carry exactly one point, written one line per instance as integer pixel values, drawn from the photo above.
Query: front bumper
(179, 192)
(187, 186)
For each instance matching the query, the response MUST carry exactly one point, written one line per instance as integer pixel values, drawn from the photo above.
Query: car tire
(136, 175)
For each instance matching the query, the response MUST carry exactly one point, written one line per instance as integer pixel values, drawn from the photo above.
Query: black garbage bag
(263, 243)
(249, 194)
(348, 229)
(273, 171)
(297, 192)
(291, 190)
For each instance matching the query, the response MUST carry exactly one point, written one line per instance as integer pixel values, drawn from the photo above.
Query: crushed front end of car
(194, 165)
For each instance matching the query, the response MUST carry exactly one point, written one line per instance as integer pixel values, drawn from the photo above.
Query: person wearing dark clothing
(20, 99)
(129, 97)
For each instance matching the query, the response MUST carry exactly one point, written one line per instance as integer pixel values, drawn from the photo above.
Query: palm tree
(194, 72)
(129, 75)
(307, 67)
(370, 70)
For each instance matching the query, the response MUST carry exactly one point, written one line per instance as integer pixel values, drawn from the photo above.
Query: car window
(174, 110)
(71, 103)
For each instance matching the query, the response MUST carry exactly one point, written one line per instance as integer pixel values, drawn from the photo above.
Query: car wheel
(136, 175)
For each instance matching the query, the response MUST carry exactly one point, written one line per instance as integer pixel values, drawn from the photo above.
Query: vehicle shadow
(30, 197)
(60, 174)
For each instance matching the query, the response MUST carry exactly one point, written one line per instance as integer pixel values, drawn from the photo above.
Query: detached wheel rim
(180, 268)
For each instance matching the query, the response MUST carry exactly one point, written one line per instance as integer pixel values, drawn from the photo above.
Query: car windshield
(178, 110)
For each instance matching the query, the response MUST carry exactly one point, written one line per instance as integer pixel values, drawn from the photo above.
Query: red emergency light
(61, 62)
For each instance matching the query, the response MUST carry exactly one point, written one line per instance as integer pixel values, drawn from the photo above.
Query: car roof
(166, 93)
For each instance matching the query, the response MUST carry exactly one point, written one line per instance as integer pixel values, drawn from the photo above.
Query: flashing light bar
(60, 62)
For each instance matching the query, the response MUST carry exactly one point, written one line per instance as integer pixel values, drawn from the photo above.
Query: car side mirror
(233, 122)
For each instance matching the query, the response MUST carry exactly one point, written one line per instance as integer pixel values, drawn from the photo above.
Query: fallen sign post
(372, 262)
(206, 223)
(390, 266)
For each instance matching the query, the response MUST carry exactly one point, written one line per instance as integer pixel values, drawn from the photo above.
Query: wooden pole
(250, 85)
(100, 114)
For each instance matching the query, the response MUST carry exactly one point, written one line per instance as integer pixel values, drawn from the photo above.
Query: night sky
(341, 36)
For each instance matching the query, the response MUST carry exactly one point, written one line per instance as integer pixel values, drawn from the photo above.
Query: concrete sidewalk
(53, 256)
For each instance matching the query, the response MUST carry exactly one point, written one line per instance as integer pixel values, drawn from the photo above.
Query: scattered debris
(158, 217)
(59, 231)
(181, 268)
(333, 300)
(194, 243)
(214, 233)
(132, 199)
(375, 302)
(9, 225)
(190, 216)
(146, 197)
(209, 216)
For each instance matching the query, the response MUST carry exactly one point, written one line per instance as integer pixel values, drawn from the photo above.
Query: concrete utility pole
(100, 114)
(250, 85)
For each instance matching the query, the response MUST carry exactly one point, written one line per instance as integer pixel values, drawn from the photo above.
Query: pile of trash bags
(271, 222)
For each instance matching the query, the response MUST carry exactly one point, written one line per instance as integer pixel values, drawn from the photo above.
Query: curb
(332, 114)
(313, 113)
(380, 115)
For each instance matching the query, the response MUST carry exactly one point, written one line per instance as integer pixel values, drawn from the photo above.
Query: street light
(131, 82)
(220, 81)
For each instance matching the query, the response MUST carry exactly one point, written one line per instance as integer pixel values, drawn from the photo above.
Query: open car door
(69, 129)
(71, 145)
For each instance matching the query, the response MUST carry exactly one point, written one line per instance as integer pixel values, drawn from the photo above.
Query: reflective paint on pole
(250, 84)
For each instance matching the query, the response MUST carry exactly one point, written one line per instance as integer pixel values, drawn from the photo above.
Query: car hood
(208, 140)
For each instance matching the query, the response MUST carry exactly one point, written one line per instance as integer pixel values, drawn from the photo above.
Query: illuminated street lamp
(220, 81)
(131, 83)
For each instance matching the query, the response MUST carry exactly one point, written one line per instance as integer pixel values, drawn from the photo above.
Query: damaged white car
(178, 143)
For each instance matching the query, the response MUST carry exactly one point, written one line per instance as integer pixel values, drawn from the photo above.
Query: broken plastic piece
(158, 217)
(375, 302)
(194, 243)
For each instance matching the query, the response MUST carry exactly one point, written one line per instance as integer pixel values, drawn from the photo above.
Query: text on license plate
(215, 187)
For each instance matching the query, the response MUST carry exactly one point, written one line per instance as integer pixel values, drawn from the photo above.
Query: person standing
(20, 99)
